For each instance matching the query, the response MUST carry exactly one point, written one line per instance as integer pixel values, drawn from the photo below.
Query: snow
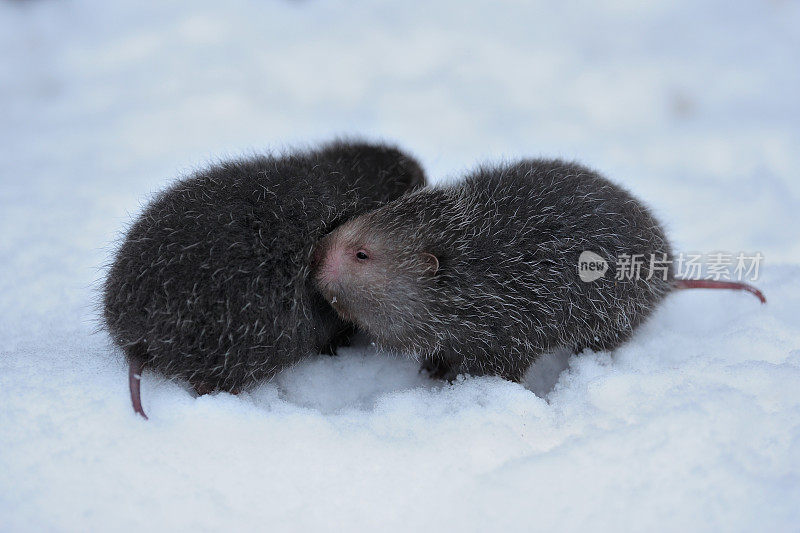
(694, 424)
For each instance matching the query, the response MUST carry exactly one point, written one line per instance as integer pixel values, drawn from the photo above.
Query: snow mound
(693, 425)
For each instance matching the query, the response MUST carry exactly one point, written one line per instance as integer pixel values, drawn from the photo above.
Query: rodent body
(211, 283)
(481, 277)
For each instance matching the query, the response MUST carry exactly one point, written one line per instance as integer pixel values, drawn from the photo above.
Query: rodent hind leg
(439, 367)
(448, 369)
(201, 387)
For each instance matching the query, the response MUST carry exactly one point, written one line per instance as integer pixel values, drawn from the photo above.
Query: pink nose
(331, 265)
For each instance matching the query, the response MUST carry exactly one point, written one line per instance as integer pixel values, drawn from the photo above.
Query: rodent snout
(326, 277)
(326, 265)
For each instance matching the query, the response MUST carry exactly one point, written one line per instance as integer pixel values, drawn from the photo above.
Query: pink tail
(711, 284)
(134, 379)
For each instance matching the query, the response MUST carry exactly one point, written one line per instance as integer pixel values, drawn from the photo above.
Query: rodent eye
(361, 255)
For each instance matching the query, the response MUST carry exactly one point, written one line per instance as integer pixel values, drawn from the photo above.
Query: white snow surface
(693, 425)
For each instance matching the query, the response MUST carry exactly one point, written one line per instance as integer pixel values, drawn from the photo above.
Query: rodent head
(376, 276)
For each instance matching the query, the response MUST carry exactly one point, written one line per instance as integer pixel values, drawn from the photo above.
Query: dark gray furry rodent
(212, 283)
(481, 277)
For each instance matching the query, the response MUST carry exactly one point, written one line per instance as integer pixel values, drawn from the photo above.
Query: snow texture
(693, 425)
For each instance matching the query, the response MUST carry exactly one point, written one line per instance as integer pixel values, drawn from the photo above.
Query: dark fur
(506, 286)
(212, 281)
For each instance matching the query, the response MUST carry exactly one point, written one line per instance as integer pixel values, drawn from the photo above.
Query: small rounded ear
(431, 263)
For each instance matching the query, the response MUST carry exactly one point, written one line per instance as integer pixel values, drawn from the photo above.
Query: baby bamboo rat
(481, 277)
(212, 284)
